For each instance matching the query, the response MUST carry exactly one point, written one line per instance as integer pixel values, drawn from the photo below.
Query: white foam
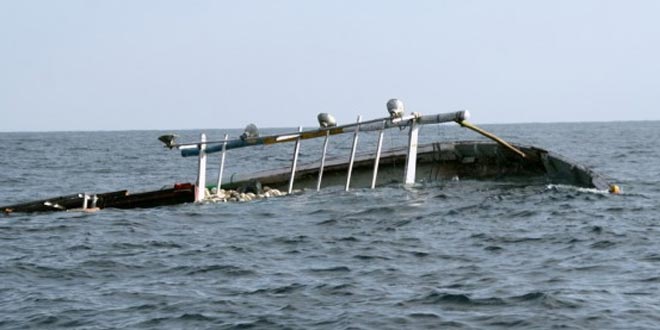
(563, 187)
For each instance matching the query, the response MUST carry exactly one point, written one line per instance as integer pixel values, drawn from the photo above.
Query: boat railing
(328, 127)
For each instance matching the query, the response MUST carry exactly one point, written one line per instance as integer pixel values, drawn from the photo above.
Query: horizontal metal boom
(371, 125)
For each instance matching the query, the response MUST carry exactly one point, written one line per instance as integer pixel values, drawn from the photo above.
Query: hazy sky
(115, 65)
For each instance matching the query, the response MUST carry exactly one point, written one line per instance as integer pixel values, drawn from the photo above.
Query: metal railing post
(222, 166)
(353, 149)
(377, 160)
(200, 188)
(296, 150)
(411, 156)
(85, 201)
(325, 149)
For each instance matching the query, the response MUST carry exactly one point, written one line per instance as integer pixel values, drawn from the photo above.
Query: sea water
(460, 254)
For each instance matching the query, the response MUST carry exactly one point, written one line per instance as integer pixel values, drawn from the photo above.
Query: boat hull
(435, 161)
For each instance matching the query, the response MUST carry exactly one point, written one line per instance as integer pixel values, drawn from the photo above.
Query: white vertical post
(411, 157)
(296, 150)
(200, 188)
(222, 166)
(377, 160)
(350, 163)
(85, 201)
(325, 149)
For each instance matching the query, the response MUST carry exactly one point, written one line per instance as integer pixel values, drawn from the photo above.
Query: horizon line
(287, 127)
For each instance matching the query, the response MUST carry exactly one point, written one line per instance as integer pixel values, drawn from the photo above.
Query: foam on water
(563, 187)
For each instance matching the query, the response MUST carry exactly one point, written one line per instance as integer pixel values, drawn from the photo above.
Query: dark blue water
(448, 255)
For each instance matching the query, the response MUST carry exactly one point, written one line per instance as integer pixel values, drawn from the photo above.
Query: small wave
(419, 254)
(479, 206)
(292, 240)
(316, 211)
(654, 257)
(260, 323)
(127, 246)
(504, 239)
(195, 317)
(143, 308)
(103, 171)
(369, 257)
(340, 289)
(189, 319)
(239, 249)
(424, 315)
(522, 214)
(225, 269)
(519, 239)
(529, 296)
(164, 244)
(107, 264)
(594, 268)
(80, 247)
(48, 272)
(376, 211)
(44, 320)
(511, 324)
(601, 245)
(548, 300)
(288, 288)
(329, 222)
(440, 298)
(442, 196)
(337, 269)
(49, 229)
(281, 290)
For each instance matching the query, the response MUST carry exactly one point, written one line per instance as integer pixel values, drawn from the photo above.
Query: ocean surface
(443, 255)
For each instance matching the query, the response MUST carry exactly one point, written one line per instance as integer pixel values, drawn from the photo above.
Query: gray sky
(115, 65)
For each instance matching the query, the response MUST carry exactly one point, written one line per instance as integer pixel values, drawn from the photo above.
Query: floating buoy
(614, 189)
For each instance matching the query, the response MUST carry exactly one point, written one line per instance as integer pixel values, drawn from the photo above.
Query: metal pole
(222, 166)
(367, 126)
(296, 150)
(85, 200)
(411, 157)
(200, 188)
(350, 164)
(377, 160)
(325, 149)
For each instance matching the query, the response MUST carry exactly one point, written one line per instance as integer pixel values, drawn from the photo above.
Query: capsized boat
(442, 160)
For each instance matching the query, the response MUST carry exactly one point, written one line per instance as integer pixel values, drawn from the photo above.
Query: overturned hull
(435, 161)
